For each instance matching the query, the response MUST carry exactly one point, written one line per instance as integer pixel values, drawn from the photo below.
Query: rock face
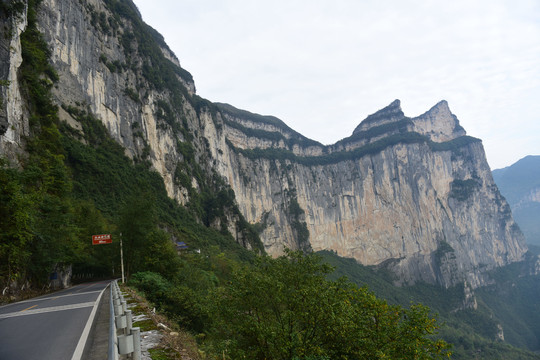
(100, 66)
(413, 194)
(13, 117)
(520, 185)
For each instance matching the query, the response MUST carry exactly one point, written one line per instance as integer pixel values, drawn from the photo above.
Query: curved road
(51, 326)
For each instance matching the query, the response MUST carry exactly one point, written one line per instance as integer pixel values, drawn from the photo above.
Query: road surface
(49, 327)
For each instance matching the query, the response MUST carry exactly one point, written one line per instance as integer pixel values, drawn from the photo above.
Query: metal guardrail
(124, 339)
(113, 354)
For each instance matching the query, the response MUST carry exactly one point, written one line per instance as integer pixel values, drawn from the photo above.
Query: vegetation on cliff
(372, 148)
(37, 212)
(276, 135)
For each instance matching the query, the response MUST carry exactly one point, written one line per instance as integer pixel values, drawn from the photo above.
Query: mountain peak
(394, 104)
(440, 107)
(439, 123)
(390, 113)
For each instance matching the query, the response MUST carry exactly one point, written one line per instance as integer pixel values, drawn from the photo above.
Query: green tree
(160, 255)
(16, 210)
(53, 230)
(95, 260)
(137, 220)
(286, 308)
(138, 226)
(38, 228)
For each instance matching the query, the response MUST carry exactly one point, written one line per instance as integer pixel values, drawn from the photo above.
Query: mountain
(104, 133)
(414, 195)
(520, 185)
(400, 191)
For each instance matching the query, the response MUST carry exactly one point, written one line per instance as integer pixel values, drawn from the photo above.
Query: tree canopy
(286, 308)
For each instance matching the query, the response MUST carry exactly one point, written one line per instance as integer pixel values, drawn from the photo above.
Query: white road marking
(47, 309)
(77, 354)
(50, 298)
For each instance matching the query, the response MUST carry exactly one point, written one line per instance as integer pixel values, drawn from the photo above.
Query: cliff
(520, 185)
(13, 115)
(413, 194)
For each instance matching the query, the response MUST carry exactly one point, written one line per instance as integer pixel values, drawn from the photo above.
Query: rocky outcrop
(412, 194)
(88, 45)
(13, 116)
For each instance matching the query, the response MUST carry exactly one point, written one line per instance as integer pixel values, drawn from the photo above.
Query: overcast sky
(323, 66)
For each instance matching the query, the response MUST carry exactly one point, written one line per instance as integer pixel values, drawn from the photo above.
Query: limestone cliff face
(413, 194)
(88, 44)
(13, 116)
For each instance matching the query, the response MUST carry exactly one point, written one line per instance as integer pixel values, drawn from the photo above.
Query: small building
(181, 246)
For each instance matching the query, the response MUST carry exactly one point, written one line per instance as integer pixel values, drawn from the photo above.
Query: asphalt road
(48, 327)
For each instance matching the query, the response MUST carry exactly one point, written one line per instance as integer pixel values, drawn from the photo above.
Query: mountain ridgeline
(414, 195)
(520, 185)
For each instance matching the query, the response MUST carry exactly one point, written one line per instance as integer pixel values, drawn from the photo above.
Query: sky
(322, 66)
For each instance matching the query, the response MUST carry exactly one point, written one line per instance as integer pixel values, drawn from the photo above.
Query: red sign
(101, 239)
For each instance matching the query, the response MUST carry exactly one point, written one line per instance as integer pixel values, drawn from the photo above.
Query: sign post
(122, 258)
(101, 239)
(106, 239)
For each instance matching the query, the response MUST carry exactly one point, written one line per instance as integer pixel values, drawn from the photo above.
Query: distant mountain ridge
(519, 183)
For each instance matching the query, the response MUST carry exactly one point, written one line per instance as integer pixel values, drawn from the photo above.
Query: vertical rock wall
(428, 209)
(13, 116)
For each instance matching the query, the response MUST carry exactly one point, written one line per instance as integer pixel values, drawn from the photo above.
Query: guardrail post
(129, 321)
(136, 332)
(125, 344)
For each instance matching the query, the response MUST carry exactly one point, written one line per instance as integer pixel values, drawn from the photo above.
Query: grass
(137, 310)
(162, 354)
(145, 325)
(176, 344)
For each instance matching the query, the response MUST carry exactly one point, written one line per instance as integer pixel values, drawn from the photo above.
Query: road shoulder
(97, 344)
